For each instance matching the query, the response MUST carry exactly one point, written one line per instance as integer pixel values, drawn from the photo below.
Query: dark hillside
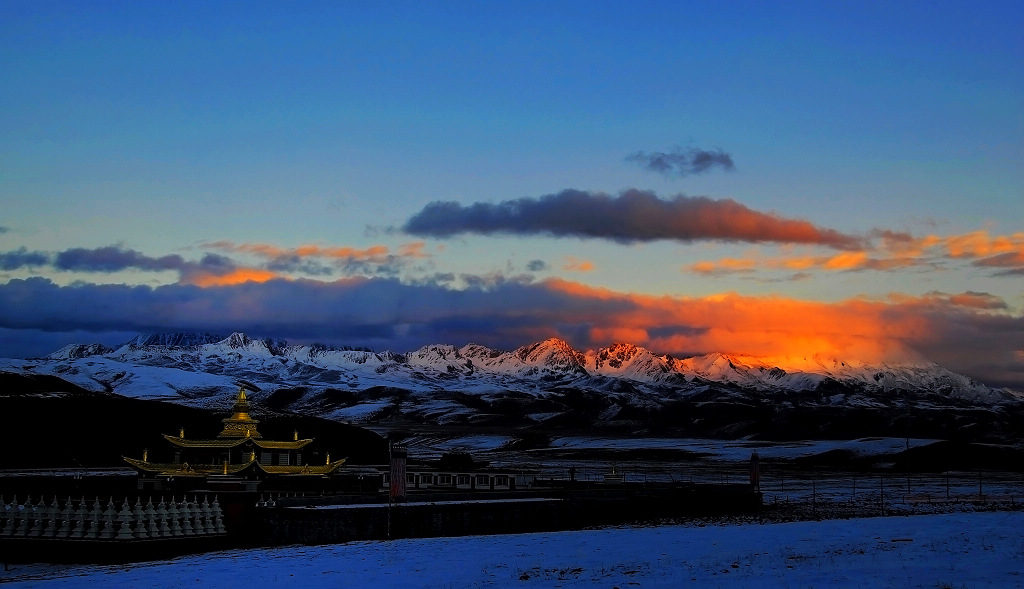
(46, 422)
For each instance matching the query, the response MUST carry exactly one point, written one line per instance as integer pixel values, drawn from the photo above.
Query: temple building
(238, 459)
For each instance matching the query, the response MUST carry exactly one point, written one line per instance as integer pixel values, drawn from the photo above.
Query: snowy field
(735, 450)
(935, 551)
(740, 449)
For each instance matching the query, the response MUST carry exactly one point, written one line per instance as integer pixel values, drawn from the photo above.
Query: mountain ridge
(547, 384)
(553, 355)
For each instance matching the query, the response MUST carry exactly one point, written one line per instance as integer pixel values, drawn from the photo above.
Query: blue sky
(191, 129)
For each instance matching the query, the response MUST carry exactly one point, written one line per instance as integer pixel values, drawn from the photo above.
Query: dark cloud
(4, 229)
(1011, 263)
(21, 258)
(381, 313)
(1005, 260)
(116, 258)
(113, 259)
(388, 266)
(1011, 272)
(797, 277)
(494, 280)
(633, 215)
(35, 343)
(682, 162)
(299, 265)
(537, 265)
(435, 279)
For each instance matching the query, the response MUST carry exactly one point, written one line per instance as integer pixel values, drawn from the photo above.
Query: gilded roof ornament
(240, 424)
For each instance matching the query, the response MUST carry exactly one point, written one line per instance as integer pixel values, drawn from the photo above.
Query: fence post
(881, 494)
(814, 495)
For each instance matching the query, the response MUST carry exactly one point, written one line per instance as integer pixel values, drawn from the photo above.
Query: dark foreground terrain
(46, 422)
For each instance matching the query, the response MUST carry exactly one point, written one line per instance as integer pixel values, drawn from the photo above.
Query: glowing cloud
(577, 265)
(234, 276)
(306, 259)
(972, 332)
(894, 251)
(721, 267)
(265, 250)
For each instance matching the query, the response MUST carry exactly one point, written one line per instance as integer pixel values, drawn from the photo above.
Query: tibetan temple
(238, 459)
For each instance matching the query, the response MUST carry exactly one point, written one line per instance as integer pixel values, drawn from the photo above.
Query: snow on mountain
(543, 382)
(73, 351)
(552, 355)
(174, 340)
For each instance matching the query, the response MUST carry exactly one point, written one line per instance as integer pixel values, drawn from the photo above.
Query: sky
(774, 179)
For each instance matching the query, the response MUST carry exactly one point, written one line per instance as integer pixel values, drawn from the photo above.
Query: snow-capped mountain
(547, 383)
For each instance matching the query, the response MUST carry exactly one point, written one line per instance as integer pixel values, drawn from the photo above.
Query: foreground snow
(952, 550)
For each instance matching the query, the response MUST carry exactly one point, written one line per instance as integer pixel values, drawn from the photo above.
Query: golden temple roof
(239, 431)
(202, 470)
(279, 445)
(231, 443)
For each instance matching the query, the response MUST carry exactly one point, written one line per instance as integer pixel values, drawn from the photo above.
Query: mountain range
(546, 386)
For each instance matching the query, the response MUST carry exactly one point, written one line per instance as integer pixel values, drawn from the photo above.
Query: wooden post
(881, 494)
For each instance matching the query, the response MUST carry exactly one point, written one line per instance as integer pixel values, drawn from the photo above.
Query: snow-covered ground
(730, 450)
(951, 550)
(741, 449)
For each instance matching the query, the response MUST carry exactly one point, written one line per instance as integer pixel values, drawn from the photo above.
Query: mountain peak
(75, 351)
(181, 339)
(237, 340)
(552, 353)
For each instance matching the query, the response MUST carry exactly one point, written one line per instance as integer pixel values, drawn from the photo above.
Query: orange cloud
(373, 253)
(978, 244)
(895, 251)
(577, 265)
(413, 250)
(722, 266)
(236, 276)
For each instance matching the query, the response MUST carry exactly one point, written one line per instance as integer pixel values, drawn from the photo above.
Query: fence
(781, 483)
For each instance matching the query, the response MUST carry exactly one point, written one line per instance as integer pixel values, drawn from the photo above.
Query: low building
(434, 479)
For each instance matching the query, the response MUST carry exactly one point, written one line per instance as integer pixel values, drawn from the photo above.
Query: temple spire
(240, 424)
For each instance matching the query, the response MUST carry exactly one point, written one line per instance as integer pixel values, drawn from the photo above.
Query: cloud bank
(214, 268)
(968, 332)
(633, 215)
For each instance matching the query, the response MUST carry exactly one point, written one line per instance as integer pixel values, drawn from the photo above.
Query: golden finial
(328, 458)
(240, 424)
(296, 434)
(145, 454)
(181, 433)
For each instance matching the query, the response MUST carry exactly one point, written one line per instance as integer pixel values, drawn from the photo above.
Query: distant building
(238, 459)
